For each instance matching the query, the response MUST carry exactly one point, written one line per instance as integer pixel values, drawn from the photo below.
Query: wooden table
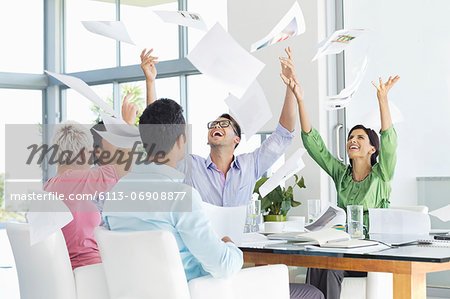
(409, 264)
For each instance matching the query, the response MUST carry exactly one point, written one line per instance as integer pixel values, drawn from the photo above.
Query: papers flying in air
(344, 97)
(82, 88)
(338, 42)
(252, 111)
(112, 29)
(118, 132)
(293, 165)
(292, 24)
(183, 18)
(220, 57)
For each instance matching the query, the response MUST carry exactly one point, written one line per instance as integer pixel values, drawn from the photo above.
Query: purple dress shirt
(236, 188)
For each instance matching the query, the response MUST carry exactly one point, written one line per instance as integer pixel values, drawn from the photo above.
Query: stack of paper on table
(257, 240)
(326, 238)
(326, 235)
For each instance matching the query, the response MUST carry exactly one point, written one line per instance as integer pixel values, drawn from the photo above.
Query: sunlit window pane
(148, 31)
(22, 36)
(211, 12)
(165, 88)
(86, 50)
(18, 107)
(84, 111)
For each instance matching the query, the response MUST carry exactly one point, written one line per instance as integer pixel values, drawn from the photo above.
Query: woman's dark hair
(235, 124)
(373, 139)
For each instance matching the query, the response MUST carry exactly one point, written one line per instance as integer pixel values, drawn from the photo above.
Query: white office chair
(45, 272)
(90, 282)
(147, 264)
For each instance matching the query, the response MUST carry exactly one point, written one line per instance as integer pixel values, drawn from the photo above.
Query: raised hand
(288, 74)
(383, 88)
(287, 64)
(129, 110)
(148, 64)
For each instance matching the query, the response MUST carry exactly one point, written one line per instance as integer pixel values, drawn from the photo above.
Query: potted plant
(279, 201)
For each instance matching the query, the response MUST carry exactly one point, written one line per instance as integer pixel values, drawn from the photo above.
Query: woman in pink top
(79, 233)
(76, 179)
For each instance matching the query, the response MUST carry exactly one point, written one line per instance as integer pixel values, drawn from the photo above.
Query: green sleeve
(318, 151)
(387, 157)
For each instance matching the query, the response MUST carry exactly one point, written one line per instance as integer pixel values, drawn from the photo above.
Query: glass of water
(313, 209)
(355, 221)
(253, 213)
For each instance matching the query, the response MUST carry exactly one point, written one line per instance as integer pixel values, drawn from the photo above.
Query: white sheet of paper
(183, 18)
(119, 126)
(394, 221)
(118, 140)
(293, 165)
(252, 111)
(373, 121)
(220, 57)
(353, 87)
(82, 88)
(118, 132)
(112, 29)
(227, 221)
(44, 224)
(338, 42)
(292, 24)
(344, 98)
(442, 213)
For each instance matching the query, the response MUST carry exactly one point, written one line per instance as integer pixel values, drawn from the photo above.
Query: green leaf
(285, 207)
(301, 183)
(259, 184)
(289, 193)
(265, 204)
(295, 203)
(276, 195)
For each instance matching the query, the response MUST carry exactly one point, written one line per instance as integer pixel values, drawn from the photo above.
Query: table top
(410, 253)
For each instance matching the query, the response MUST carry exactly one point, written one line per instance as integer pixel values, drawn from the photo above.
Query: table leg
(410, 286)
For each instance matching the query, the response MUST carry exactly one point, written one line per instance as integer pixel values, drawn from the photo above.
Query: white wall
(249, 21)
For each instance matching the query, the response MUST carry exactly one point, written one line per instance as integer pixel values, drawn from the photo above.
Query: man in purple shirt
(222, 178)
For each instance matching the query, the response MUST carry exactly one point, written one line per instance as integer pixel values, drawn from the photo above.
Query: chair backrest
(44, 269)
(400, 220)
(420, 209)
(142, 264)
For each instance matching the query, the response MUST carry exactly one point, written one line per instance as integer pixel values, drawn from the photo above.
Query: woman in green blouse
(365, 181)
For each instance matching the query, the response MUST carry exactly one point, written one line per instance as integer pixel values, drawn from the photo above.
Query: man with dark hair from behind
(162, 128)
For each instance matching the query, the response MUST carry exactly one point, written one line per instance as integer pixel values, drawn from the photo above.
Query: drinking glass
(313, 210)
(253, 213)
(355, 221)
